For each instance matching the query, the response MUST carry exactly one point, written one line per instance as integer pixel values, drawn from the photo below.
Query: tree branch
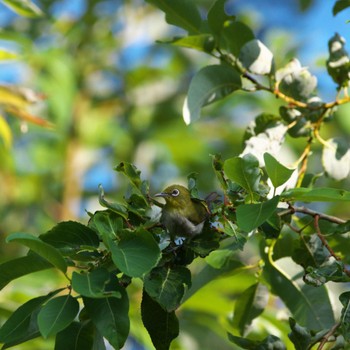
(307, 211)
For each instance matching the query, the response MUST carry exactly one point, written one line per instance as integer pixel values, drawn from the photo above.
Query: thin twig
(328, 335)
(307, 211)
(321, 237)
(325, 243)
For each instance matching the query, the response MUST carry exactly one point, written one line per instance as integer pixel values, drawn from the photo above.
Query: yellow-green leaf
(5, 132)
(7, 55)
(23, 7)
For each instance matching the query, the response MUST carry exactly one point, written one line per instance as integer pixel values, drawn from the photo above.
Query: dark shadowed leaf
(57, 314)
(340, 5)
(210, 84)
(110, 316)
(161, 325)
(217, 16)
(167, 285)
(71, 234)
(338, 62)
(235, 35)
(22, 323)
(345, 315)
(77, 336)
(299, 336)
(310, 251)
(93, 284)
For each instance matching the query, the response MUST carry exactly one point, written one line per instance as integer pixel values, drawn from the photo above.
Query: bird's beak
(161, 194)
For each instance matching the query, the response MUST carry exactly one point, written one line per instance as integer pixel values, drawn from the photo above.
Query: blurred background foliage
(113, 94)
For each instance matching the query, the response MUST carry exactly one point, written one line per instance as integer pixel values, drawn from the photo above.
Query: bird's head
(176, 196)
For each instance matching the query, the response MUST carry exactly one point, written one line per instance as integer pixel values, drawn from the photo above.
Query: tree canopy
(112, 101)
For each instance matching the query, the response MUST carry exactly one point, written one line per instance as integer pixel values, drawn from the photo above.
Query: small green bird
(182, 215)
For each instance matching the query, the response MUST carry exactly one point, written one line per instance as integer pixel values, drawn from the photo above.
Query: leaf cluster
(124, 245)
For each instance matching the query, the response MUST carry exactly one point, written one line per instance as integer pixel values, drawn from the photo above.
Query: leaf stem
(304, 160)
(328, 335)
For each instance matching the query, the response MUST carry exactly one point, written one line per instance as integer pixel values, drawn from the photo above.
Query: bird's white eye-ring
(175, 192)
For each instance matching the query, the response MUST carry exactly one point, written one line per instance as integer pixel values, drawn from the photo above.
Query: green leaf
(219, 263)
(93, 284)
(250, 216)
(322, 194)
(5, 132)
(131, 172)
(299, 336)
(340, 5)
(232, 230)
(118, 208)
(270, 342)
(250, 305)
(110, 316)
(309, 306)
(336, 158)
(77, 336)
(310, 251)
(338, 63)
(217, 16)
(57, 314)
(108, 224)
(136, 253)
(201, 42)
(25, 8)
(167, 285)
(71, 234)
(235, 35)
(22, 322)
(342, 228)
(210, 84)
(345, 315)
(181, 13)
(19, 267)
(256, 57)
(333, 271)
(51, 254)
(244, 171)
(277, 173)
(218, 166)
(161, 325)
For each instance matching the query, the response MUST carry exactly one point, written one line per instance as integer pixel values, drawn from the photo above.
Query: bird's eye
(175, 192)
